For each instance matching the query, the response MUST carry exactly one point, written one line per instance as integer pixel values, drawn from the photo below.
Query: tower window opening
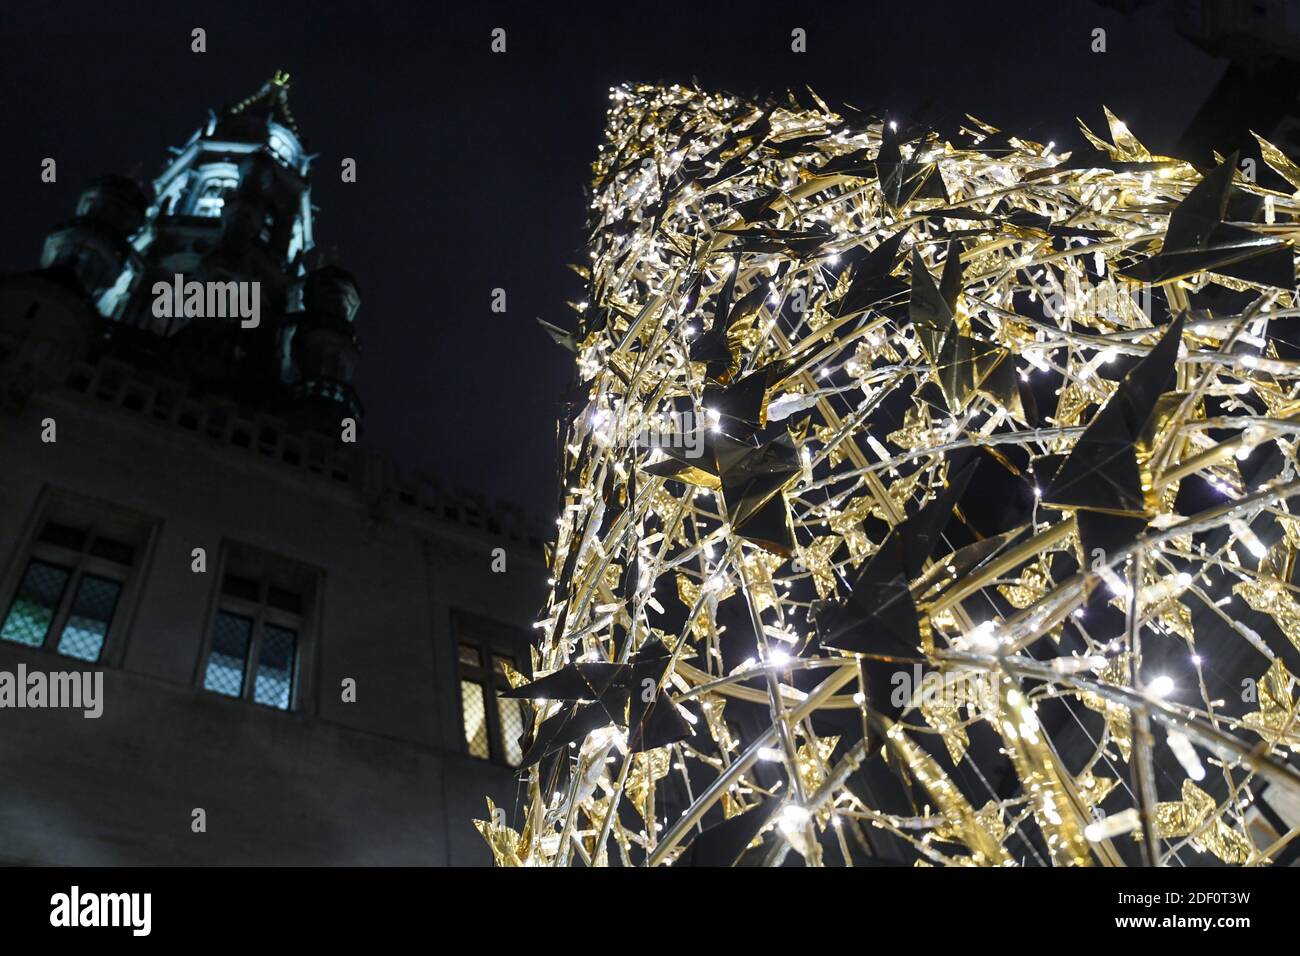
(212, 196)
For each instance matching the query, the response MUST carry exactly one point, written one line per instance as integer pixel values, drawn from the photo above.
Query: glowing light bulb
(1186, 754)
(1162, 686)
(794, 816)
(1114, 825)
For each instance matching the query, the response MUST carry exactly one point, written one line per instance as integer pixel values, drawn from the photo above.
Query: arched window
(281, 149)
(212, 195)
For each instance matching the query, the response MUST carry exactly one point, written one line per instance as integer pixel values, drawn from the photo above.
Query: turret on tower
(96, 244)
(325, 349)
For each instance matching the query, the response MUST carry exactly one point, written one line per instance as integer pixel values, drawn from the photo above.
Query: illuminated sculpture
(923, 500)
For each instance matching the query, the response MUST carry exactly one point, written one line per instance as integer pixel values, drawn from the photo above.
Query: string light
(783, 527)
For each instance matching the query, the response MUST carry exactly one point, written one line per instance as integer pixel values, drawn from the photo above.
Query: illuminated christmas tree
(925, 500)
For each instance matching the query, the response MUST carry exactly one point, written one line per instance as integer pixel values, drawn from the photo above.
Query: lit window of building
(492, 725)
(255, 647)
(70, 589)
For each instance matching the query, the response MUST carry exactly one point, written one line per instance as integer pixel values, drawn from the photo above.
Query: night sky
(471, 166)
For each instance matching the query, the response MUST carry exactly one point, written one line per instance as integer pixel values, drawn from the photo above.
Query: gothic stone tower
(233, 205)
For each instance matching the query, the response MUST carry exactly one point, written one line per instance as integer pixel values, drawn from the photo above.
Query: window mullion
(60, 618)
(496, 746)
(254, 649)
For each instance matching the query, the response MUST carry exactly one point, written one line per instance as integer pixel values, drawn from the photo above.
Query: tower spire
(272, 99)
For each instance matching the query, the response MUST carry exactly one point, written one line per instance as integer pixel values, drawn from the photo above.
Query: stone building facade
(295, 637)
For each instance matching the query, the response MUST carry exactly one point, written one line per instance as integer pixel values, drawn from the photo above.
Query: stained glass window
(474, 711)
(493, 726)
(35, 604)
(91, 613)
(73, 583)
(255, 642)
(512, 728)
(273, 685)
(231, 636)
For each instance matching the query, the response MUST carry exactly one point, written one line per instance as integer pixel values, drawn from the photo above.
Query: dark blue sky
(471, 165)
